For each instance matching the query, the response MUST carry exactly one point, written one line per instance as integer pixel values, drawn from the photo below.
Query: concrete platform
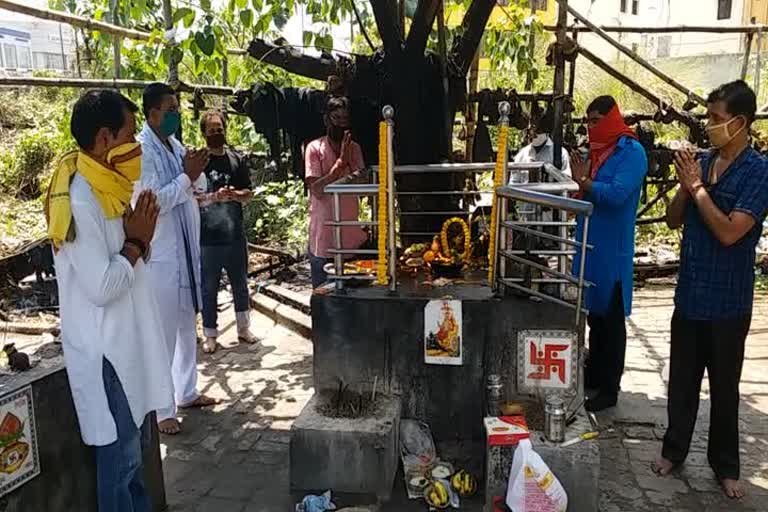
(353, 456)
(367, 333)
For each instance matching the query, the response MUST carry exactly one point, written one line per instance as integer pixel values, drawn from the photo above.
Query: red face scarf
(604, 137)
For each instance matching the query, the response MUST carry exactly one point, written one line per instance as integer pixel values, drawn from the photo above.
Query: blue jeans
(234, 259)
(316, 264)
(120, 465)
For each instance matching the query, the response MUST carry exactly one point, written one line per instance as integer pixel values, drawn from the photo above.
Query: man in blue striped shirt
(721, 204)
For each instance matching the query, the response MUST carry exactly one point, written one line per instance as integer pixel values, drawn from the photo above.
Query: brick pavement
(234, 457)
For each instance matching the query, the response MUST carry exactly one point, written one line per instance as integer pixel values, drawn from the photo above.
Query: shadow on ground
(234, 457)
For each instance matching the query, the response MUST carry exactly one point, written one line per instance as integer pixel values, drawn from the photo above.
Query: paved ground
(234, 458)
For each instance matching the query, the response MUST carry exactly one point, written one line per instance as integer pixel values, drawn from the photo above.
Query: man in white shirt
(174, 174)
(111, 331)
(541, 148)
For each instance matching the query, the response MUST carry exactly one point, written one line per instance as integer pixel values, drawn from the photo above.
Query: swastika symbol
(547, 362)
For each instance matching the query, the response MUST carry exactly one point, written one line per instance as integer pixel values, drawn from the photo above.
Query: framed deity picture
(19, 459)
(443, 334)
(546, 360)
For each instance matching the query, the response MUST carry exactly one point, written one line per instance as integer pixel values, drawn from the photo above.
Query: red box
(506, 430)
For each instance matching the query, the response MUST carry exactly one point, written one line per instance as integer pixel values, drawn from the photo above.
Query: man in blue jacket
(610, 179)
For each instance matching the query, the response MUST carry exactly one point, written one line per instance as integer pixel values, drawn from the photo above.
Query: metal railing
(539, 186)
(529, 258)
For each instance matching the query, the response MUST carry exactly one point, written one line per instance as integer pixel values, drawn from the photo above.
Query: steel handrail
(517, 193)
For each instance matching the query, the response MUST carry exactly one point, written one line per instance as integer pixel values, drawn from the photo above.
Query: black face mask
(216, 140)
(336, 133)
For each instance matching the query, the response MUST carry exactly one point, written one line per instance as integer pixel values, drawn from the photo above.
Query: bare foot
(732, 488)
(169, 427)
(662, 466)
(201, 401)
(209, 345)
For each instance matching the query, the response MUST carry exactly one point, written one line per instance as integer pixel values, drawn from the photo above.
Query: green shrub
(279, 213)
(23, 164)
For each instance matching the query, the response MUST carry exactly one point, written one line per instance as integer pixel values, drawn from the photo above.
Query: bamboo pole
(86, 83)
(559, 85)
(715, 29)
(747, 51)
(758, 63)
(74, 20)
(116, 41)
(86, 23)
(634, 56)
(649, 95)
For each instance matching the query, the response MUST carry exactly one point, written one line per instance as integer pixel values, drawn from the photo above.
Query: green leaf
(307, 37)
(246, 18)
(205, 42)
(241, 4)
(258, 5)
(181, 13)
(212, 67)
(205, 5)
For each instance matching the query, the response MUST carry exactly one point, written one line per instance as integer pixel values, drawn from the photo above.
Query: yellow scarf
(112, 184)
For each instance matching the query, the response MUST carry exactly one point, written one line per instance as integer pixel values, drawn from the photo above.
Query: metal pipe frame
(517, 193)
(507, 282)
(541, 234)
(337, 258)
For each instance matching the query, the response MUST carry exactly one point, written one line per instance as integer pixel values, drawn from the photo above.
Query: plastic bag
(416, 445)
(312, 503)
(532, 487)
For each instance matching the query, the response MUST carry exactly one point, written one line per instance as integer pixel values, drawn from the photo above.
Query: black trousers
(607, 347)
(717, 346)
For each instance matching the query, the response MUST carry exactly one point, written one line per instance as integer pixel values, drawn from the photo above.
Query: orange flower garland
(381, 265)
(498, 176)
(444, 237)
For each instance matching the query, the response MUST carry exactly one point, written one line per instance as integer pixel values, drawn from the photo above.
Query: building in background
(28, 44)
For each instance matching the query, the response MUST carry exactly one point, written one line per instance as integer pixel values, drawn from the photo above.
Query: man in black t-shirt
(222, 234)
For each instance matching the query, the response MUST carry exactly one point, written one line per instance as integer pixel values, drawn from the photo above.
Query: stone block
(576, 466)
(354, 456)
(67, 480)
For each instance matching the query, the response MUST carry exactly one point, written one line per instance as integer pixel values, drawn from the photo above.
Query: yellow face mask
(126, 159)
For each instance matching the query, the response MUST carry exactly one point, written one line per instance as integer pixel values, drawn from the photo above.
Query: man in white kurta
(111, 331)
(173, 175)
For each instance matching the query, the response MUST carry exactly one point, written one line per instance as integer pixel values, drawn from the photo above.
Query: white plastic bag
(532, 487)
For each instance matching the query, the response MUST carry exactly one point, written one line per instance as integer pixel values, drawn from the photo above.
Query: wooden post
(225, 72)
(114, 6)
(173, 66)
(443, 49)
(531, 49)
(747, 51)
(758, 63)
(77, 54)
(88, 83)
(559, 85)
(634, 56)
(470, 116)
(61, 45)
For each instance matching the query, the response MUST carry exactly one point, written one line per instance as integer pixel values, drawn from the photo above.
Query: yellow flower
(444, 237)
(381, 267)
(498, 175)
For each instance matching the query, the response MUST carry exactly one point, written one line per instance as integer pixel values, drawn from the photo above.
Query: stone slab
(355, 456)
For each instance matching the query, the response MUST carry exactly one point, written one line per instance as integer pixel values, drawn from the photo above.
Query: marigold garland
(444, 237)
(381, 265)
(498, 176)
